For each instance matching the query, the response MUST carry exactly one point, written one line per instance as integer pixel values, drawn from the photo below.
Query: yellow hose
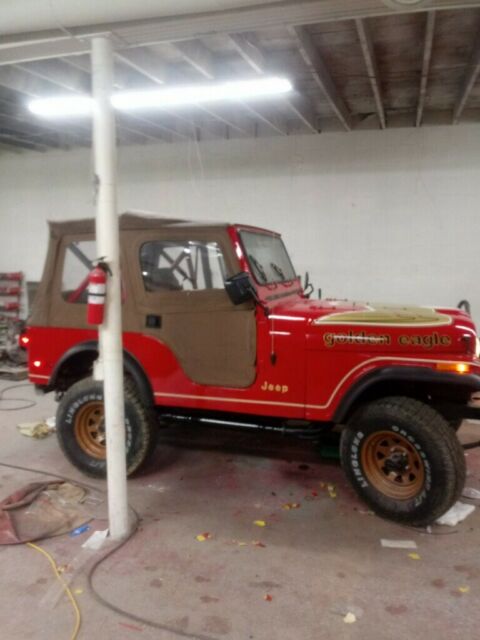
(66, 588)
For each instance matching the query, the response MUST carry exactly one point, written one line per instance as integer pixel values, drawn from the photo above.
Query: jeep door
(177, 279)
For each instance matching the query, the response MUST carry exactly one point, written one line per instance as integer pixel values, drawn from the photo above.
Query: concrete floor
(318, 562)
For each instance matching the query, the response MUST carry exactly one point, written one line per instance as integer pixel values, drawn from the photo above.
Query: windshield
(267, 257)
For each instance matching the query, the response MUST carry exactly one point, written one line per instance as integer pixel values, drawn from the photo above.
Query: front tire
(403, 459)
(81, 429)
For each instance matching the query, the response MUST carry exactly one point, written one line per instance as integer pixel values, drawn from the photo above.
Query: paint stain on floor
(209, 599)
(266, 584)
(438, 583)
(396, 610)
(157, 583)
(215, 624)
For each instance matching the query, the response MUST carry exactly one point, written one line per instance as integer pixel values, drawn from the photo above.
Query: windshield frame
(253, 269)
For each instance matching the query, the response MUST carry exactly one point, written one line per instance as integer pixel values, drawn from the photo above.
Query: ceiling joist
(426, 61)
(146, 32)
(300, 106)
(468, 82)
(365, 37)
(321, 75)
(198, 56)
(144, 63)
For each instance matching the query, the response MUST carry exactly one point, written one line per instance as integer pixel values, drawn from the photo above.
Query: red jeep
(217, 328)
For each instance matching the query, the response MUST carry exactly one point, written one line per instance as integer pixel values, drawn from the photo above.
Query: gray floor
(318, 562)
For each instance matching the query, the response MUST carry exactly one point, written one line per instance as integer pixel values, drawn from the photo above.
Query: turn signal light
(455, 367)
(37, 363)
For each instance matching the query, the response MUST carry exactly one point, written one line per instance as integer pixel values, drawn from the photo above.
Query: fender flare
(423, 375)
(130, 363)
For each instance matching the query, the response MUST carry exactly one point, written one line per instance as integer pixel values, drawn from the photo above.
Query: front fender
(416, 376)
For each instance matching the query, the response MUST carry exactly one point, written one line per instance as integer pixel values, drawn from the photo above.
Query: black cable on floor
(96, 565)
(471, 445)
(26, 404)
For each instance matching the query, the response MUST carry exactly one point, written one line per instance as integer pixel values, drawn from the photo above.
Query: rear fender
(90, 350)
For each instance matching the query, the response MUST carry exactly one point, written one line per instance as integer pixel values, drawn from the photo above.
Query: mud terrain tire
(80, 429)
(403, 459)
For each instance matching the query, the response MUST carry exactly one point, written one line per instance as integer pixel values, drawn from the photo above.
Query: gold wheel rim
(392, 465)
(90, 430)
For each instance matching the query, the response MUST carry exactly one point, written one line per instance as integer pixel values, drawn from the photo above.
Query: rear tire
(81, 433)
(456, 424)
(403, 459)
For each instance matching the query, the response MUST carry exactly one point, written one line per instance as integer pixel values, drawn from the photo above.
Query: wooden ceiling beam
(321, 75)
(469, 81)
(249, 51)
(426, 61)
(300, 106)
(144, 62)
(366, 42)
(198, 56)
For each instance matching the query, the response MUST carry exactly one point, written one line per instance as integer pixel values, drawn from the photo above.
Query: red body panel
(306, 360)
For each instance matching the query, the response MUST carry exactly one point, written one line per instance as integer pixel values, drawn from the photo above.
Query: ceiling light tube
(244, 90)
(201, 94)
(62, 106)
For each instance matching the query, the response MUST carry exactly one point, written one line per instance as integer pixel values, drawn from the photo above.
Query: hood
(336, 312)
(343, 324)
(381, 315)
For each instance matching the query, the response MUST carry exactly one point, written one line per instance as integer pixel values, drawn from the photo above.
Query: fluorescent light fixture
(243, 90)
(201, 94)
(62, 106)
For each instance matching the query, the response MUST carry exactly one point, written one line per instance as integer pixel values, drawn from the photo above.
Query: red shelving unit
(11, 284)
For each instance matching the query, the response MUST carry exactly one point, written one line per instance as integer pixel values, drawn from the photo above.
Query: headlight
(477, 348)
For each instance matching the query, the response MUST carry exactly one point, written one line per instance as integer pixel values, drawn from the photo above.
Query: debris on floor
(456, 514)
(203, 536)
(398, 544)
(268, 597)
(291, 505)
(470, 492)
(11, 371)
(414, 556)
(42, 510)
(96, 540)
(37, 430)
(332, 491)
(350, 618)
(260, 523)
(79, 530)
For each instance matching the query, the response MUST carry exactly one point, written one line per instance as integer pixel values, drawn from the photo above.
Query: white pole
(110, 333)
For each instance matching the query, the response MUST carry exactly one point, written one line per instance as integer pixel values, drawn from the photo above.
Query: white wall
(390, 216)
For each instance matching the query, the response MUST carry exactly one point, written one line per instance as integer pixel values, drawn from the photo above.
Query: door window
(191, 265)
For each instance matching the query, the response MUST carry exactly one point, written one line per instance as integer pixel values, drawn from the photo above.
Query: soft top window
(178, 265)
(79, 257)
(267, 257)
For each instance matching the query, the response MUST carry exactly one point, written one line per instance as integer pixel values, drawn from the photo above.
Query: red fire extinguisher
(97, 291)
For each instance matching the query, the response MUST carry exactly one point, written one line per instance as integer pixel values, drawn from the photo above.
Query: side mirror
(240, 288)
(308, 286)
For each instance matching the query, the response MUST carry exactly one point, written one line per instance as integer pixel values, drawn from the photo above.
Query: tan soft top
(128, 221)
